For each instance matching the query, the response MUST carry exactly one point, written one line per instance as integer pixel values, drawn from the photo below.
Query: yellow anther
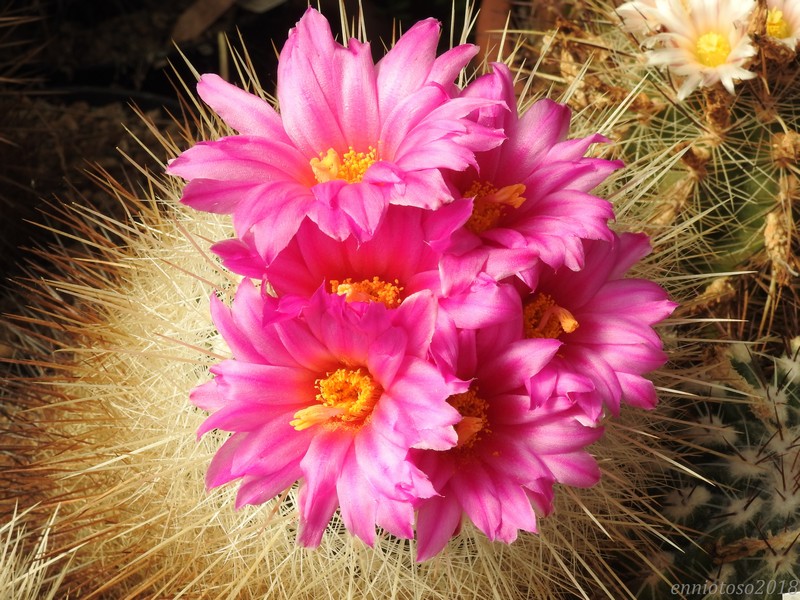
(350, 167)
(546, 319)
(777, 26)
(712, 49)
(491, 204)
(369, 290)
(474, 423)
(346, 399)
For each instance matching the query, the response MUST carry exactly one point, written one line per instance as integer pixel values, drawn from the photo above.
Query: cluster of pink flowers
(434, 318)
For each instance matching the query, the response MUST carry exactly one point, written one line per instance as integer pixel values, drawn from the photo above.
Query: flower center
(777, 26)
(351, 166)
(491, 204)
(546, 319)
(369, 290)
(346, 399)
(474, 423)
(712, 49)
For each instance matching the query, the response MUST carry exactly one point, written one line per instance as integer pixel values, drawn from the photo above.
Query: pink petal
(206, 396)
(358, 501)
(485, 303)
(243, 158)
(245, 112)
(407, 65)
(239, 257)
(476, 494)
(544, 124)
(578, 469)
(396, 517)
(417, 316)
(517, 363)
(259, 489)
(219, 471)
(318, 500)
(437, 521)
(327, 93)
(270, 447)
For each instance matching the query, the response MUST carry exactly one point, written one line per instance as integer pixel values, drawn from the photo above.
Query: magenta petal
(581, 175)
(475, 492)
(638, 299)
(221, 197)
(327, 93)
(206, 396)
(270, 447)
(318, 500)
(406, 67)
(517, 512)
(238, 342)
(396, 517)
(423, 189)
(239, 257)
(448, 66)
(263, 384)
(519, 362)
(485, 303)
(365, 204)
(416, 406)
(630, 249)
(417, 316)
(242, 158)
(408, 114)
(607, 387)
(437, 522)
(325, 212)
(638, 391)
(306, 81)
(574, 149)
(358, 501)
(261, 488)
(245, 112)
(219, 471)
(234, 417)
(578, 469)
(543, 125)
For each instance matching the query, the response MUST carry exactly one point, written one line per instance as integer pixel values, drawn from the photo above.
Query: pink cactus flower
(530, 197)
(352, 137)
(518, 435)
(605, 322)
(334, 396)
(396, 263)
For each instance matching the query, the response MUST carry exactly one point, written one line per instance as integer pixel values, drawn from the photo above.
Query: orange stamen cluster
(491, 204)
(777, 26)
(346, 398)
(351, 166)
(474, 423)
(546, 319)
(369, 290)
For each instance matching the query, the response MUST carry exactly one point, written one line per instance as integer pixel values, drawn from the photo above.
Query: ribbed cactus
(727, 145)
(734, 155)
(743, 523)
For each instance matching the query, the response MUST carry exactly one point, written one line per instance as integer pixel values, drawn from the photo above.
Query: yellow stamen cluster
(777, 26)
(346, 398)
(351, 166)
(369, 290)
(474, 423)
(491, 204)
(546, 319)
(712, 49)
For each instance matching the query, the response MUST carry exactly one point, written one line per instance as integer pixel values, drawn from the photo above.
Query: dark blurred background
(70, 71)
